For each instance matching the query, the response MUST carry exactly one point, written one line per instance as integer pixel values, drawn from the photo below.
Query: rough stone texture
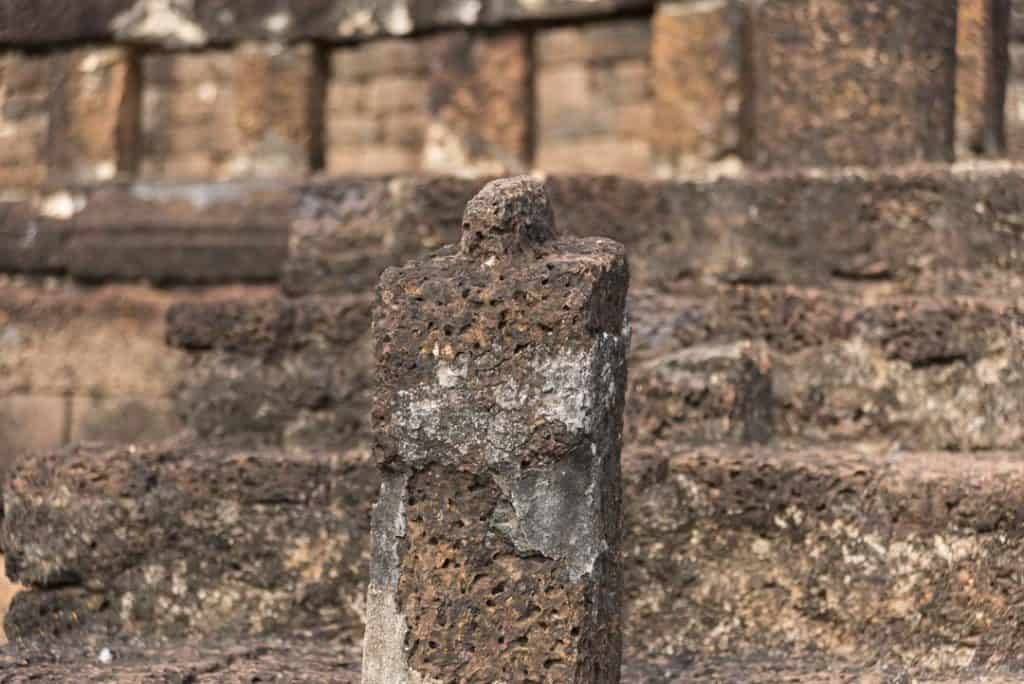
(185, 540)
(300, 660)
(594, 105)
(296, 660)
(294, 373)
(903, 560)
(982, 67)
(497, 426)
(933, 231)
(697, 54)
(229, 113)
(937, 231)
(377, 107)
(94, 113)
(916, 372)
(701, 394)
(870, 553)
(348, 232)
(24, 118)
(479, 103)
(841, 83)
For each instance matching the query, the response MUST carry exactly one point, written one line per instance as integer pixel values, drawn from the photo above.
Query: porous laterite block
(498, 427)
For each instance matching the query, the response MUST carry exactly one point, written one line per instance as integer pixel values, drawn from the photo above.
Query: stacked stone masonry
(175, 89)
(822, 444)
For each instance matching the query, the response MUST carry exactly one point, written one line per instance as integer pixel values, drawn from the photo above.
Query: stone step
(858, 551)
(304, 661)
(734, 363)
(935, 230)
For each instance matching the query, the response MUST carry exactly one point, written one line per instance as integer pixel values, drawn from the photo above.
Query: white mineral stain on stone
(61, 205)
(160, 20)
(278, 22)
(398, 21)
(207, 91)
(385, 659)
(468, 12)
(360, 22)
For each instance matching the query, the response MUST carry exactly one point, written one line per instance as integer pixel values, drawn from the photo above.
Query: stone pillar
(498, 429)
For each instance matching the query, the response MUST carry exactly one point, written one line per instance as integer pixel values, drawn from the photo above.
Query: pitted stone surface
(497, 415)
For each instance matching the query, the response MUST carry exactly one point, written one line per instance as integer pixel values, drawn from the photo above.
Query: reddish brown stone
(982, 68)
(500, 380)
(377, 107)
(94, 114)
(479, 103)
(594, 106)
(24, 118)
(277, 100)
(841, 83)
(697, 70)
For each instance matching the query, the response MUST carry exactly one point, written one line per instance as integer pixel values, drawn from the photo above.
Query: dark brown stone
(892, 556)
(185, 540)
(840, 83)
(497, 418)
(350, 231)
(271, 327)
(702, 395)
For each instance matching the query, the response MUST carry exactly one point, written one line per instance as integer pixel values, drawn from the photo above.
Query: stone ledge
(175, 24)
(165, 233)
(861, 551)
(302, 660)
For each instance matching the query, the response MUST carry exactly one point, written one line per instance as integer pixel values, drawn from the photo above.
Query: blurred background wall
(152, 150)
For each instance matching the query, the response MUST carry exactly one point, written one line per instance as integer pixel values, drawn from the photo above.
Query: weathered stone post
(498, 427)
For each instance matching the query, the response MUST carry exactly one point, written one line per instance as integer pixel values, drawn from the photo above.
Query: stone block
(173, 540)
(60, 342)
(277, 99)
(24, 118)
(181, 233)
(351, 230)
(592, 84)
(840, 83)
(982, 69)
(497, 418)
(122, 420)
(702, 394)
(30, 423)
(1014, 115)
(218, 114)
(377, 107)
(479, 103)
(94, 114)
(697, 55)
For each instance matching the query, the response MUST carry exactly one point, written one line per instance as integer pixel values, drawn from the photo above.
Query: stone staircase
(823, 463)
